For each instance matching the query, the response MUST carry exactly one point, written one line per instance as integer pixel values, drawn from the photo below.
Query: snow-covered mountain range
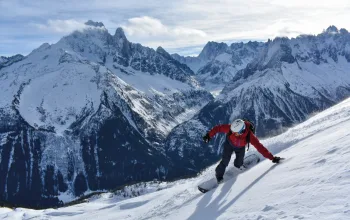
(89, 113)
(218, 63)
(311, 183)
(95, 111)
(288, 80)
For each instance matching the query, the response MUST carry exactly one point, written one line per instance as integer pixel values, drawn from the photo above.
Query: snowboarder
(236, 141)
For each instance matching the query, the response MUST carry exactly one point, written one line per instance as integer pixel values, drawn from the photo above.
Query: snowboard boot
(241, 168)
(219, 179)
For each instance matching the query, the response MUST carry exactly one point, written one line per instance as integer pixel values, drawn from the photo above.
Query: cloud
(148, 27)
(311, 3)
(174, 25)
(61, 26)
(152, 32)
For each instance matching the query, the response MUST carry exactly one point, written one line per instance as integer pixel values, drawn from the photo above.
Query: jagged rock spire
(119, 33)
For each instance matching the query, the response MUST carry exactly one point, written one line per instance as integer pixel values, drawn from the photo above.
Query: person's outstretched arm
(225, 128)
(261, 149)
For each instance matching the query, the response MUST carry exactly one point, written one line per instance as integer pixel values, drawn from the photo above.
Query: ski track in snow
(312, 183)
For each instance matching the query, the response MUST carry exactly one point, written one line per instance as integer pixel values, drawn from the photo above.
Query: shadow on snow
(213, 210)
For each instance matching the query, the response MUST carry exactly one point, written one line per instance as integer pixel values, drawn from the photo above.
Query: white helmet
(238, 126)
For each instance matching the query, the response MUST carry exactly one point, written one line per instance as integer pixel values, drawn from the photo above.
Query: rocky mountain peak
(212, 49)
(235, 46)
(121, 39)
(281, 40)
(6, 61)
(162, 52)
(343, 31)
(332, 30)
(3, 59)
(119, 33)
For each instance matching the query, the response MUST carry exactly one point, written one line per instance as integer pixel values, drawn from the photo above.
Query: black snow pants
(226, 157)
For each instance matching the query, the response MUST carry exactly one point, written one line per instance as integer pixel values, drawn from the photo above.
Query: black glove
(206, 138)
(276, 159)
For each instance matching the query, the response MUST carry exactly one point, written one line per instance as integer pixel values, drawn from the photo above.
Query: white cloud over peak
(148, 27)
(61, 26)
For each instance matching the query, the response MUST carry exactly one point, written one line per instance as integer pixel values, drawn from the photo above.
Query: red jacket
(241, 140)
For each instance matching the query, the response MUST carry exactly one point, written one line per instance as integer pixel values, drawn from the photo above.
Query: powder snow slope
(312, 183)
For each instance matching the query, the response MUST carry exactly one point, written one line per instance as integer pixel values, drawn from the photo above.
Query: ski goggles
(239, 132)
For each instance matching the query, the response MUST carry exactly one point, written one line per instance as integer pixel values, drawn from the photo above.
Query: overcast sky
(182, 26)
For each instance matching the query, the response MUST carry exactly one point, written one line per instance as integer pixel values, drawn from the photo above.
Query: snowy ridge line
(298, 133)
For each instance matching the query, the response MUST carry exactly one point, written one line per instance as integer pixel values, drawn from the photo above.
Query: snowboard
(249, 161)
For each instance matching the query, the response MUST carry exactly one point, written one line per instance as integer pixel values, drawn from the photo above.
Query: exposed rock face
(7, 61)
